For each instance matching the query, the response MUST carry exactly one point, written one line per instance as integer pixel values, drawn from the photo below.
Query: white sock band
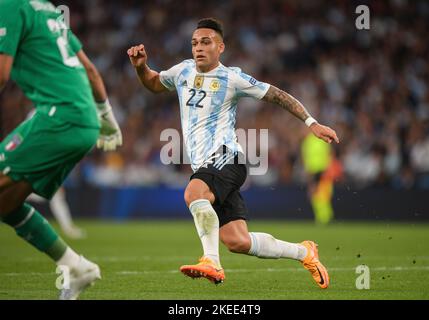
(264, 245)
(207, 224)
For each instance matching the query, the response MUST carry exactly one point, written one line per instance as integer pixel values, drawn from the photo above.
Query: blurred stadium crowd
(372, 86)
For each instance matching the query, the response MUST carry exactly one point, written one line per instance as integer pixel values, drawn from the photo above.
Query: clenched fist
(138, 56)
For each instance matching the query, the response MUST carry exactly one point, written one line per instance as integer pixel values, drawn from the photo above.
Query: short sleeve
(74, 42)
(169, 77)
(247, 86)
(11, 27)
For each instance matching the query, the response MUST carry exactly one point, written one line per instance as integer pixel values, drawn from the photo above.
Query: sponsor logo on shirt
(3, 32)
(252, 81)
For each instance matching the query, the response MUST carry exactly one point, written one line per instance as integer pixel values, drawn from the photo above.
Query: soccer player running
(208, 93)
(47, 61)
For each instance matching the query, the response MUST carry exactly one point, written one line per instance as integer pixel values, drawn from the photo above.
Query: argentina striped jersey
(208, 103)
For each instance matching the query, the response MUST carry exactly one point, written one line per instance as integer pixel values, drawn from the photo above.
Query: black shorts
(224, 175)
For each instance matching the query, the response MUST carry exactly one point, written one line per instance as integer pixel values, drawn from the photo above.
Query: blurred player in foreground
(322, 169)
(47, 61)
(208, 93)
(59, 208)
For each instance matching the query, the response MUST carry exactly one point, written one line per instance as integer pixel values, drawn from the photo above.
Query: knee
(188, 196)
(13, 196)
(238, 245)
(191, 194)
(4, 210)
(6, 206)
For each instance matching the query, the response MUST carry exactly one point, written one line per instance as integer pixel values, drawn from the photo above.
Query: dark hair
(211, 23)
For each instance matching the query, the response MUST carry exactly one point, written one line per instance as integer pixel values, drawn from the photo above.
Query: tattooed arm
(289, 103)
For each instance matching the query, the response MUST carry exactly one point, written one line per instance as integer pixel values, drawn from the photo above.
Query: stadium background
(370, 85)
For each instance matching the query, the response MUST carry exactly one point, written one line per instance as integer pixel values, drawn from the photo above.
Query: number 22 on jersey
(200, 95)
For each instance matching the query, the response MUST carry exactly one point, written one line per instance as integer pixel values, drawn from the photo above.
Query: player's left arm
(6, 63)
(289, 103)
(110, 133)
(95, 79)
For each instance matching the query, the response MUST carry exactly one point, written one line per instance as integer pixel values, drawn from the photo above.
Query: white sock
(69, 259)
(61, 210)
(35, 198)
(264, 245)
(207, 224)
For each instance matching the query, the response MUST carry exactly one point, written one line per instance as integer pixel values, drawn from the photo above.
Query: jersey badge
(198, 82)
(215, 85)
(14, 143)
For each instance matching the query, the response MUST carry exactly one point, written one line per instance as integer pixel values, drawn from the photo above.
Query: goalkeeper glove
(110, 133)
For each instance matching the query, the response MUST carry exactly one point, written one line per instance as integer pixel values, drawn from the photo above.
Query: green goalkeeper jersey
(45, 64)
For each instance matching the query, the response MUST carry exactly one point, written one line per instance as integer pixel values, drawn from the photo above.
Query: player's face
(207, 47)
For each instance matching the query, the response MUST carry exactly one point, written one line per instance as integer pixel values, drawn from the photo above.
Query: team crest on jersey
(198, 82)
(215, 85)
(14, 143)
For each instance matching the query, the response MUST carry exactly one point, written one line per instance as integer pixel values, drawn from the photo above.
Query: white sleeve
(169, 77)
(247, 86)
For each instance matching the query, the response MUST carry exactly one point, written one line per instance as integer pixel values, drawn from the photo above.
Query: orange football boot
(206, 268)
(311, 263)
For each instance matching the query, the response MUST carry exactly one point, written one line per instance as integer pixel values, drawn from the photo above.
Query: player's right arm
(6, 63)
(149, 78)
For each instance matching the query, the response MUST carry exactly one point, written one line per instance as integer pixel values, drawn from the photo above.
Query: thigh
(234, 231)
(12, 194)
(233, 209)
(198, 189)
(43, 151)
(5, 181)
(222, 180)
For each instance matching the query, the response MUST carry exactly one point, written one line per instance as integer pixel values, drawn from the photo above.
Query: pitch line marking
(133, 272)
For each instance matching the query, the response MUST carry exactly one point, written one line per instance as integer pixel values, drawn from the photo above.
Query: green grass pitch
(140, 260)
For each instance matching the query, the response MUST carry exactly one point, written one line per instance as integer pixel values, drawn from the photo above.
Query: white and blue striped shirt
(208, 103)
